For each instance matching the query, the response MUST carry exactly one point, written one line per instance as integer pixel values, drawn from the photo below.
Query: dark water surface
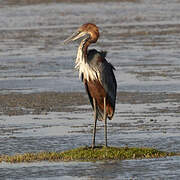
(143, 42)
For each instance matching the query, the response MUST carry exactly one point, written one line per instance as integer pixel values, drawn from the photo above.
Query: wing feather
(109, 82)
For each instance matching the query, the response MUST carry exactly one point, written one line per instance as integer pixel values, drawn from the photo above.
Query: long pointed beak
(74, 36)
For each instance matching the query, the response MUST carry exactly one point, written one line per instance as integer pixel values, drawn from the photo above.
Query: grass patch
(88, 154)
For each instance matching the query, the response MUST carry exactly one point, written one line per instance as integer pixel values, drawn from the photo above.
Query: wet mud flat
(39, 103)
(141, 119)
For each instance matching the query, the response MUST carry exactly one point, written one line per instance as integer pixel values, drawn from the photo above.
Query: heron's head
(90, 31)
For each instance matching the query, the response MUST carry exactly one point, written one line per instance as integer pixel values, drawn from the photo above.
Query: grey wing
(108, 81)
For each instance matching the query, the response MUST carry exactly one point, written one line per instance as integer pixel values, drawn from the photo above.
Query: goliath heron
(97, 75)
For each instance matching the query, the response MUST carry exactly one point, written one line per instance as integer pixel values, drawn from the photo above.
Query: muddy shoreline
(39, 103)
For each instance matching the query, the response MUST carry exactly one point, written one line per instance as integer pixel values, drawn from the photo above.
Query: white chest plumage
(89, 73)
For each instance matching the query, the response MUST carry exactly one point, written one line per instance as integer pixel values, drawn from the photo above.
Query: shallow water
(142, 40)
(168, 168)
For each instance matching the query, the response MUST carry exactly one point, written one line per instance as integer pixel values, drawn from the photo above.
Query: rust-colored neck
(85, 48)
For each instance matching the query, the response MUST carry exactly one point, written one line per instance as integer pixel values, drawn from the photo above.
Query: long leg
(95, 122)
(105, 122)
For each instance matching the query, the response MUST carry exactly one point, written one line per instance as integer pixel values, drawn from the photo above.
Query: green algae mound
(88, 154)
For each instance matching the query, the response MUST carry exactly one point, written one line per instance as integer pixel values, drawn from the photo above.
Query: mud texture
(37, 103)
